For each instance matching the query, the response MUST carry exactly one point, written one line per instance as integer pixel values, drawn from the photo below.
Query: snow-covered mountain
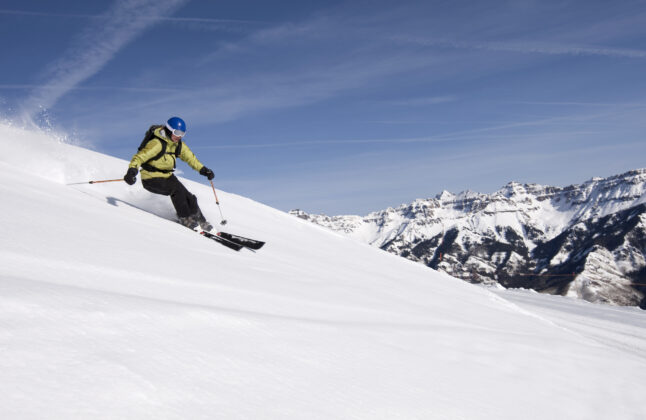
(109, 309)
(587, 241)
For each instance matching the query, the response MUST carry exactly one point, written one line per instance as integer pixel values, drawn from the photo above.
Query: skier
(157, 158)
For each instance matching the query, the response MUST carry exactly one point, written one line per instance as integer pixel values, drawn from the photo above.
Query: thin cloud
(45, 14)
(490, 133)
(95, 47)
(322, 143)
(564, 50)
(526, 48)
(583, 104)
(152, 18)
(88, 88)
(434, 100)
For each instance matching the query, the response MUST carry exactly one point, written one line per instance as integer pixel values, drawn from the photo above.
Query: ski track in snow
(623, 328)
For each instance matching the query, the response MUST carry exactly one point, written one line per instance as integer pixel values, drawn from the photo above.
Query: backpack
(150, 135)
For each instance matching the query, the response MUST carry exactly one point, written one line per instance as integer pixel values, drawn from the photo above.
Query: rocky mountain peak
(551, 239)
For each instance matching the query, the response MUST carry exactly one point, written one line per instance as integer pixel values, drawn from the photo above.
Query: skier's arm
(187, 156)
(144, 155)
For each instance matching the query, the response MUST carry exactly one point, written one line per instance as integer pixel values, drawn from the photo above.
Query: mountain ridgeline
(586, 241)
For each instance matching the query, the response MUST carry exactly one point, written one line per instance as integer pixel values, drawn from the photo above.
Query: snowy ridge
(108, 309)
(517, 231)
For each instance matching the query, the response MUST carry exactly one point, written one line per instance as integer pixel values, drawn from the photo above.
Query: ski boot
(204, 224)
(189, 222)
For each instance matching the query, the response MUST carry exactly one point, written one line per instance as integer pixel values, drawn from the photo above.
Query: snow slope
(109, 310)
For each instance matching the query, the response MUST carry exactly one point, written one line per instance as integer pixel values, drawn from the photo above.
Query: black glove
(207, 173)
(131, 176)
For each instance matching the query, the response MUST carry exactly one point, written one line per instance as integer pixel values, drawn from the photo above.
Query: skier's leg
(157, 185)
(181, 198)
(185, 203)
(178, 195)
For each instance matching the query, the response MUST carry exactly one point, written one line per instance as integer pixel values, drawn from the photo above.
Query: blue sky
(342, 107)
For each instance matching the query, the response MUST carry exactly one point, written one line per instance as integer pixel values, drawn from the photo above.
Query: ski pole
(97, 182)
(223, 222)
(105, 180)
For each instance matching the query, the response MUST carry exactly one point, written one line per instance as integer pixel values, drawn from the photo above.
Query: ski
(223, 241)
(229, 240)
(241, 240)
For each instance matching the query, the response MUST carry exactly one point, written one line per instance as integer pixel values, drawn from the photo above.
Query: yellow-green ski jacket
(164, 165)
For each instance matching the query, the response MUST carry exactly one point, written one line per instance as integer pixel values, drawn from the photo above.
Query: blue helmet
(176, 126)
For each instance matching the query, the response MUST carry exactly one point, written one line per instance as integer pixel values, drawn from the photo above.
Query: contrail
(93, 48)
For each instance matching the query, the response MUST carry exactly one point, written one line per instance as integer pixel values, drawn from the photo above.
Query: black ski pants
(184, 202)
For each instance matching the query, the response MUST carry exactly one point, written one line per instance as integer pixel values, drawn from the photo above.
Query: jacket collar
(161, 133)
